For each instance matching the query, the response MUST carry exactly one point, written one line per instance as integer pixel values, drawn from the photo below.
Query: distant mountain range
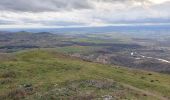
(101, 29)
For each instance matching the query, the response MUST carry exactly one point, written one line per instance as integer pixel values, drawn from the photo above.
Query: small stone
(27, 85)
(107, 97)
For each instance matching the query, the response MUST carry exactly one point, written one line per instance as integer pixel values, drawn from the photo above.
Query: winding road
(142, 56)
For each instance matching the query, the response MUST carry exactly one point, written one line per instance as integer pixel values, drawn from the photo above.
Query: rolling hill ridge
(40, 74)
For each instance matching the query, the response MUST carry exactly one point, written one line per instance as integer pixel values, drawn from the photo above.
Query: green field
(77, 49)
(48, 75)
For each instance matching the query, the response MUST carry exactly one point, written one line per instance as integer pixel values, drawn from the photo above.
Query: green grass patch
(36, 72)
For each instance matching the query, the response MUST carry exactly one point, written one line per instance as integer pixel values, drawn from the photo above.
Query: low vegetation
(47, 75)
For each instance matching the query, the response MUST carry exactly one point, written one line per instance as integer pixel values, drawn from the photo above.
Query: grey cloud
(164, 6)
(6, 22)
(42, 5)
(136, 14)
(125, 1)
(53, 22)
(62, 23)
(53, 5)
(112, 0)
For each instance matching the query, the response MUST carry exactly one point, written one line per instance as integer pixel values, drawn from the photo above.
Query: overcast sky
(72, 13)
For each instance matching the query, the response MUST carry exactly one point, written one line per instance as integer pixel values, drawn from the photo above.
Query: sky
(82, 13)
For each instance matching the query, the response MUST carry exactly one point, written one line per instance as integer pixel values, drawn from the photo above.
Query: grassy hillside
(48, 75)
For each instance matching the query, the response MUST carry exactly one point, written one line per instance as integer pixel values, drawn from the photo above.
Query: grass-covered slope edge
(46, 74)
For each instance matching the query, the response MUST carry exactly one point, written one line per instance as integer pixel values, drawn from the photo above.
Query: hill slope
(46, 75)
